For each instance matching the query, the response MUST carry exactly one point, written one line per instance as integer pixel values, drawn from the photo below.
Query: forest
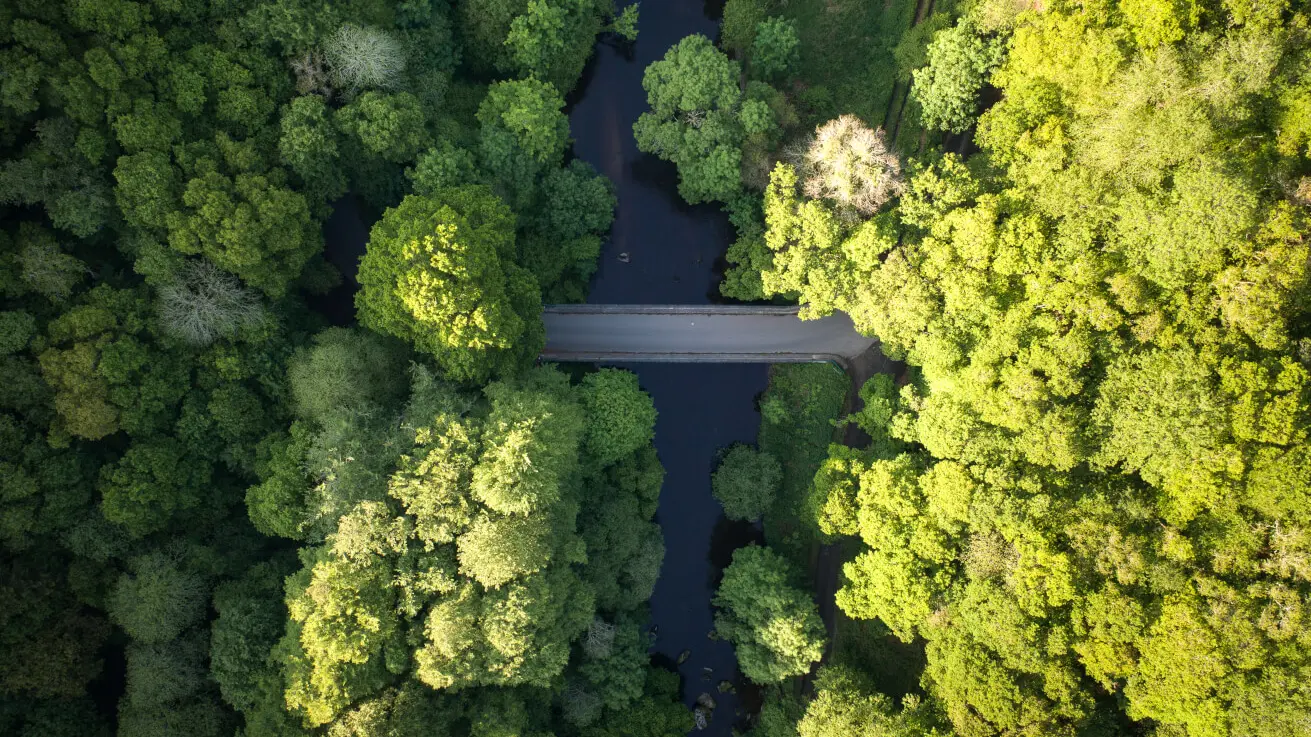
(1079, 506)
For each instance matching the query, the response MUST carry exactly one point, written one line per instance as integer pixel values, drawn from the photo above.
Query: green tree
(616, 662)
(278, 505)
(441, 167)
(693, 93)
(251, 619)
(55, 172)
(152, 481)
(244, 219)
(308, 146)
(345, 369)
(160, 674)
(960, 60)
(157, 599)
(388, 125)
(624, 24)
(772, 623)
(775, 49)
(106, 372)
(845, 703)
(561, 249)
(44, 267)
(659, 713)
(624, 548)
(620, 416)
(549, 39)
(522, 132)
(741, 19)
(438, 274)
(746, 481)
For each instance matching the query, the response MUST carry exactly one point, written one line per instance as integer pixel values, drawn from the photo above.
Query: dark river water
(672, 249)
(671, 254)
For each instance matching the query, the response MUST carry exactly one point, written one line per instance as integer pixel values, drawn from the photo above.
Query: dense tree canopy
(479, 521)
(166, 171)
(1093, 481)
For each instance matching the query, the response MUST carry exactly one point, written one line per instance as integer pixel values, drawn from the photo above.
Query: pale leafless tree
(849, 164)
(361, 56)
(580, 706)
(600, 639)
(311, 74)
(204, 303)
(49, 271)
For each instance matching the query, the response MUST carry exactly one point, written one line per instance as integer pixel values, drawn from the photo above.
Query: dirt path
(826, 564)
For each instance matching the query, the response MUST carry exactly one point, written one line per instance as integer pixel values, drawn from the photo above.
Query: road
(698, 333)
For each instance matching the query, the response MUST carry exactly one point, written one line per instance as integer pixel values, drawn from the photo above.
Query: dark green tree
(746, 481)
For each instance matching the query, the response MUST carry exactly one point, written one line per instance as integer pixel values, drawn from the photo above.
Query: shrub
(746, 482)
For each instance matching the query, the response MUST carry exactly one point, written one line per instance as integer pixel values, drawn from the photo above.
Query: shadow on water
(344, 239)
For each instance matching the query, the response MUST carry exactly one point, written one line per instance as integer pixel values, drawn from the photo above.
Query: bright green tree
(438, 273)
(772, 622)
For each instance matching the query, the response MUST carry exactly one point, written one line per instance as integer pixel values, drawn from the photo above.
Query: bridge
(721, 334)
(701, 333)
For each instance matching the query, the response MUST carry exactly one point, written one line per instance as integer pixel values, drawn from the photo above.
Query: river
(663, 251)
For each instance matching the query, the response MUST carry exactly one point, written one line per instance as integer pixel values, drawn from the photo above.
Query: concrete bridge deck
(698, 333)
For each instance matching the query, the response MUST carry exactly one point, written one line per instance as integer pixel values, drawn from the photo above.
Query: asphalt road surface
(697, 333)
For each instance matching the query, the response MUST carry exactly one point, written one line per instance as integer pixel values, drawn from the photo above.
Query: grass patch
(867, 645)
(798, 412)
(847, 63)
